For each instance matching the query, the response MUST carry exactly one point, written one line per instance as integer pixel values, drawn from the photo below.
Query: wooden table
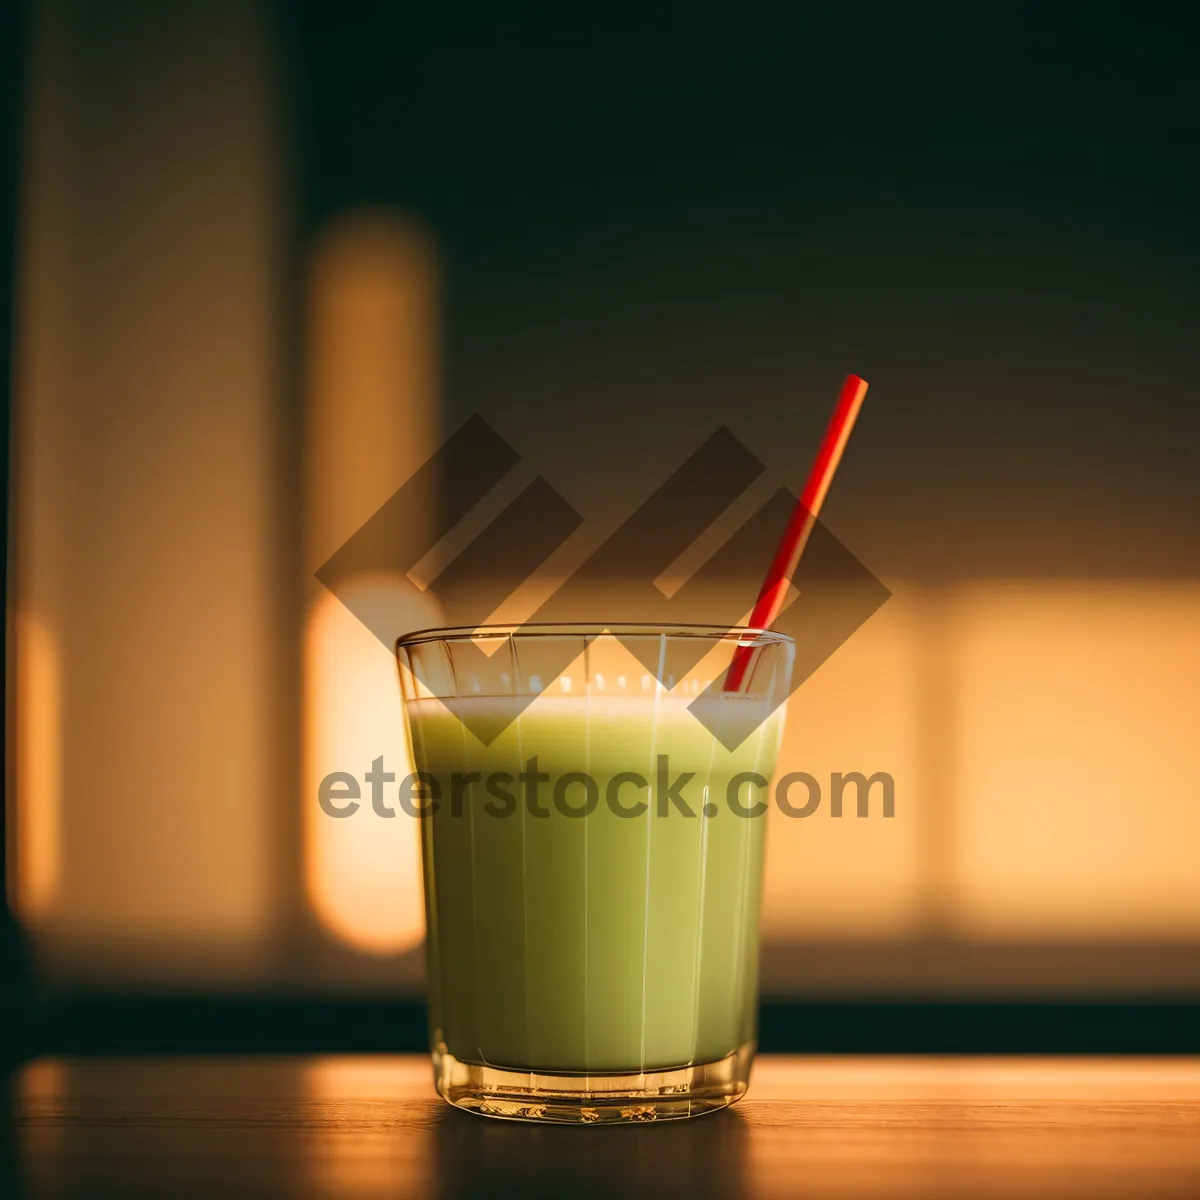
(810, 1127)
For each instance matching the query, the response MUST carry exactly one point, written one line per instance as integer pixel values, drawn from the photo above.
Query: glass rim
(714, 633)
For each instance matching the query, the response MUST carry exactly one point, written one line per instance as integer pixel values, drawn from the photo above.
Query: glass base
(584, 1099)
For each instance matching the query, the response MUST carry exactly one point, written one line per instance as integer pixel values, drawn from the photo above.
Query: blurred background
(259, 259)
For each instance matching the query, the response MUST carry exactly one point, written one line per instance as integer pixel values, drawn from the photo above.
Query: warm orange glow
(1045, 787)
(371, 370)
(1078, 798)
(354, 1146)
(362, 872)
(850, 877)
(42, 1081)
(371, 378)
(335, 1079)
(150, 694)
(36, 880)
(40, 1089)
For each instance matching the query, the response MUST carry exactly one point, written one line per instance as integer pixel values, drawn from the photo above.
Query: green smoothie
(588, 924)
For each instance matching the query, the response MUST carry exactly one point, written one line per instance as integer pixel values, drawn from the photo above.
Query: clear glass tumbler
(593, 808)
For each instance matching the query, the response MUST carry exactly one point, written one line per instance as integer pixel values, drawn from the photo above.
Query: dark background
(711, 219)
(648, 221)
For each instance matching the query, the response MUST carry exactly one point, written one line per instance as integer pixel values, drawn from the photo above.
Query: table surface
(813, 1127)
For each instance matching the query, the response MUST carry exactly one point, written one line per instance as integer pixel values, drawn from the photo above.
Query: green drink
(592, 872)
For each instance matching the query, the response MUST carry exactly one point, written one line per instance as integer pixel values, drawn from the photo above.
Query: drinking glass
(592, 810)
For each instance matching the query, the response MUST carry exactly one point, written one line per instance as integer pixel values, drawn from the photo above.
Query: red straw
(800, 527)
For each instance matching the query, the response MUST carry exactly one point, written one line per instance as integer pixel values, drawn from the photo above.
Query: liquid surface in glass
(614, 941)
